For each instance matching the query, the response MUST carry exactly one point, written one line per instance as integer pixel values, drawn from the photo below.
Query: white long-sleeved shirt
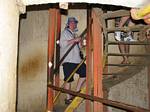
(73, 56)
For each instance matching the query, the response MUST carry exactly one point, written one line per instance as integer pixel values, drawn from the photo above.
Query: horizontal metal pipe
(111, 103)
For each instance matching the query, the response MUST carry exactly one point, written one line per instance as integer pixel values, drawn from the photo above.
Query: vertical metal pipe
(51, 41)
(97, 60)
(89, 59)
(57, 54)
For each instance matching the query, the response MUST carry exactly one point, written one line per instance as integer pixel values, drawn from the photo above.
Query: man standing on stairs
(124, 36)
(72, 60)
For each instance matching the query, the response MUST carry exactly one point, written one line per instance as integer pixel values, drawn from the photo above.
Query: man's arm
(143, 13)
(75, 40)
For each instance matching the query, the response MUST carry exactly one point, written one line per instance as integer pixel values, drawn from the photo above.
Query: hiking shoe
(68, 101)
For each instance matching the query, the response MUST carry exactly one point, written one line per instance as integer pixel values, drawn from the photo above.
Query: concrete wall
(32, 73)
(133, 91)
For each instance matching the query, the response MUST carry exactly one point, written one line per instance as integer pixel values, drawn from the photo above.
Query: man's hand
(78, 39)
(75, 40)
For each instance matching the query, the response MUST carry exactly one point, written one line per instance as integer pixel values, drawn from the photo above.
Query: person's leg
(68, 69)
(68, 86)
(129, 38)
(122, 49)
(80, 83)
(127, 50)
(68, 98)
(82, 73)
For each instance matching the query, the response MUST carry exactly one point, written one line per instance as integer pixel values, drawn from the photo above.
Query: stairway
(124, 71)
(139, 60)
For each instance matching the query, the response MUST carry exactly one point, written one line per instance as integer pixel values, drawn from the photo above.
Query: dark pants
(68, 68)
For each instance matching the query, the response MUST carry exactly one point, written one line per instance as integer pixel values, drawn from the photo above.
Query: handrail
(122, 65)
(129, 43)
(115, 14)
(126, 29)
(127, 54)
(107, 102)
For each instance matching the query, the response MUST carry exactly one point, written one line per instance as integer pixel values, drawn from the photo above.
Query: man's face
(72, 25)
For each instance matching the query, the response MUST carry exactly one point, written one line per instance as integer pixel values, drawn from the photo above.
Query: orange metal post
(88, 60)
(51, 41)
(58, 30)
(97, 60)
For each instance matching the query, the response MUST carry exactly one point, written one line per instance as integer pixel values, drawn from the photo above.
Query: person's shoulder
(65, 31)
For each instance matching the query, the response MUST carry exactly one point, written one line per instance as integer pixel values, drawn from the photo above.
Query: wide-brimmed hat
(70, 19)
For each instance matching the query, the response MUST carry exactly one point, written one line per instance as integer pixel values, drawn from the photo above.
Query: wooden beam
(121, 76)
(129, 43)
(126, 54)
(115, 14)
(97, 60)
(51, 41)
(123, 65)
(57, 50)
(107, 102)
(135, 28)
(88, 60)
